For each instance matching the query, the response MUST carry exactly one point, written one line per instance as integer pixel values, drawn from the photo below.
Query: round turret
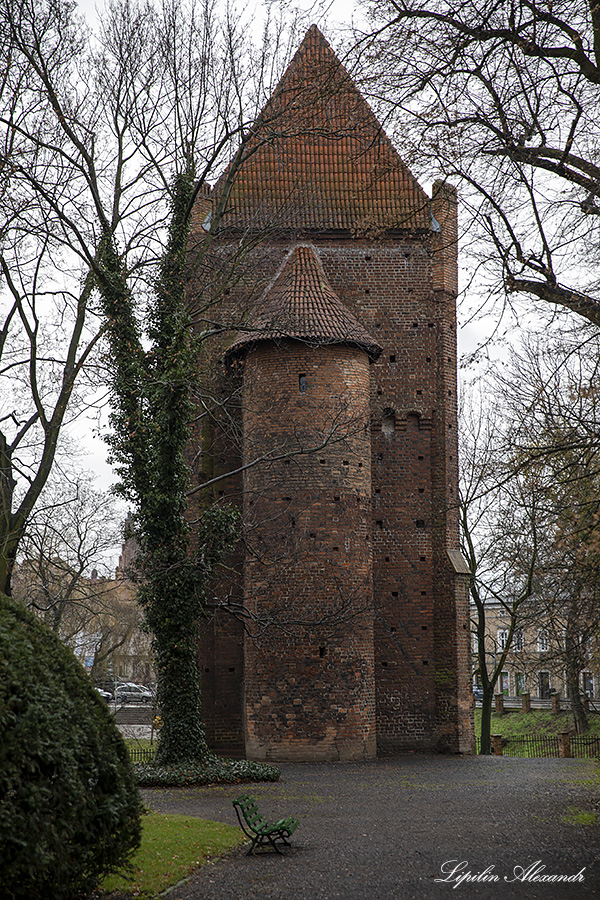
(309, 659)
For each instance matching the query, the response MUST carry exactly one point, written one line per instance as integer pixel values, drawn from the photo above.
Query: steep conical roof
(321, 159)
(301, 304)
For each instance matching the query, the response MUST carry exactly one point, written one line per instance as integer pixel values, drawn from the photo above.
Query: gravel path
(385, 830)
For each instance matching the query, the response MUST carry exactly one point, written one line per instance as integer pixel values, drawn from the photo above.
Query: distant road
(133, 713)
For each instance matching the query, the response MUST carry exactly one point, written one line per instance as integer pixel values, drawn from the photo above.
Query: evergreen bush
(211, 770)
(69, 806)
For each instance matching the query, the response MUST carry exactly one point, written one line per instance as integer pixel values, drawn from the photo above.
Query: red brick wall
(402, 289)
(308, 575)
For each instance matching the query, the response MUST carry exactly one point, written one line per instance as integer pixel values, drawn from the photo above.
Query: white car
(106, 695)
(132, 693)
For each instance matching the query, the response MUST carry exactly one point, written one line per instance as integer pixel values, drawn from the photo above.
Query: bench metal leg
(261, 840)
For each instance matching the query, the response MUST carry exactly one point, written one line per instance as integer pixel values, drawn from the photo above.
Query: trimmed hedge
(214, 770)
(69, 806)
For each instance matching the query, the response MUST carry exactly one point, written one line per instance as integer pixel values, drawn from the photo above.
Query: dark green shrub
(69, 806)
(212, 770)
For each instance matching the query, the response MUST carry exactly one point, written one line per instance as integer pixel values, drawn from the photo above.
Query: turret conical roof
(320, 159)
(301, 304)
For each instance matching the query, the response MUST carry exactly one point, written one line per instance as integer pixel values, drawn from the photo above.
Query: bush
(213, 770)
(69, 806)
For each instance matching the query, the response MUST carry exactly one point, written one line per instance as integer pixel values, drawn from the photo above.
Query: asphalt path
(413, 826)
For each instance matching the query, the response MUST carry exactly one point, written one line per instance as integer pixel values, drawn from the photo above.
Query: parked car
(132, 693)
(106, 695)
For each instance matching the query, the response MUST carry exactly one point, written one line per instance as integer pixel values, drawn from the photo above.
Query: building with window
(536, 660)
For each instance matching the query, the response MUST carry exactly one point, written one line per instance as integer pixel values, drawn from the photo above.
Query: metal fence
(582, 745)
(530, 745)
(141, 754)
(544, 745)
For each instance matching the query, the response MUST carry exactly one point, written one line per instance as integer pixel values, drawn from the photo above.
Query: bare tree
(501, 515)
(555, 434)
(94, 129)
(97, 132)
(112, 140)
(503, 96)
(46, 340)
(529, 511)
(65, 574)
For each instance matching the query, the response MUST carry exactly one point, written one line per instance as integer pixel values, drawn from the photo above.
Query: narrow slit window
(302, 383)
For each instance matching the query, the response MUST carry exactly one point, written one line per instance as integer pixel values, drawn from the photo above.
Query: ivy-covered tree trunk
(172, 612)
(152, 395)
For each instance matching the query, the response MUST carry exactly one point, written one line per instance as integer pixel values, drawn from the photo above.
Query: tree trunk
(486, 720)
(580, 718)
(573, 670)
(172, 614)
(9, 543)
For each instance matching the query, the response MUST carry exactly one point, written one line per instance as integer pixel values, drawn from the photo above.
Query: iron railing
(523, 745)
(547, 745)
(585, 745)
(141, 754)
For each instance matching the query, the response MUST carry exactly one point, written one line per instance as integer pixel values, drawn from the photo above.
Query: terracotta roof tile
(301, 304)
(321, 159)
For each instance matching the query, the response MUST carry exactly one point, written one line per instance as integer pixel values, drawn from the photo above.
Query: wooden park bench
(259, 829)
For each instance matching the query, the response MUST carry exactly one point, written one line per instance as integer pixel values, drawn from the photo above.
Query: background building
(536, 660)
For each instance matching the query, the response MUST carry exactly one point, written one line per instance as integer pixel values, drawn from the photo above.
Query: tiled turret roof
(302, 304)
(320, 158)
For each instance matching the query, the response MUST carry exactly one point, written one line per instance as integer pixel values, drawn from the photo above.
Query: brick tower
(310, 690)
(353, 589)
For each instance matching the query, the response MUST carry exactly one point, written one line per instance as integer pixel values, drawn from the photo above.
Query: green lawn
(172, 847)
(539, 722)
(141, 749)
